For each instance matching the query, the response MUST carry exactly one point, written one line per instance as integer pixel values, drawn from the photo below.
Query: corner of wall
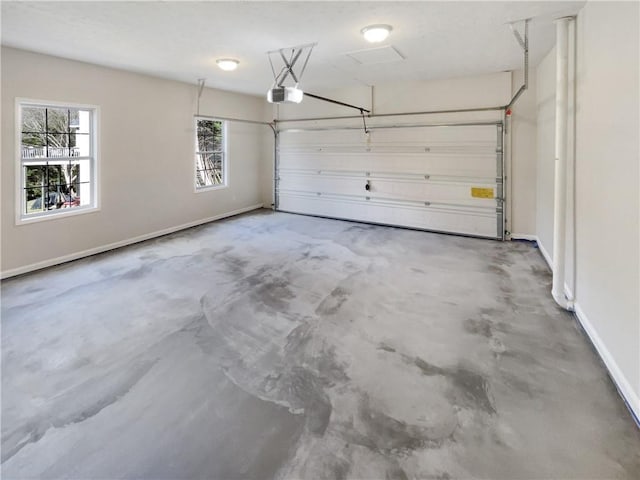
(523, 157)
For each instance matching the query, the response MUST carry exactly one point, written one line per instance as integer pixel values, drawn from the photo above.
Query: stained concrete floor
(280, 346)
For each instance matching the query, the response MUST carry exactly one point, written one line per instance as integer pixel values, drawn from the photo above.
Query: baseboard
(123, 243)
(568, 293)
(545, 254)
(630, 397)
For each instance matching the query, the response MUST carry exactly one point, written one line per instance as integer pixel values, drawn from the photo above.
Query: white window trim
(225, 155)
(23, 219)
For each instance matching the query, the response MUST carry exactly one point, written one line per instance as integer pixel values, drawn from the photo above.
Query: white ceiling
(181, 40)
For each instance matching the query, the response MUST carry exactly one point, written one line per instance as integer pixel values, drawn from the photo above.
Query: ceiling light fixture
(227, 64)
(376, 33)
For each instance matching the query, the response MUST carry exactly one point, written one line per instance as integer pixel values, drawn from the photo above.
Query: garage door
(441, 178)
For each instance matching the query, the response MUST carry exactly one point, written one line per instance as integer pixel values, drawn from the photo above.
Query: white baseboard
(568, 293)
(545, 254)
(631, 397)
(104, 248)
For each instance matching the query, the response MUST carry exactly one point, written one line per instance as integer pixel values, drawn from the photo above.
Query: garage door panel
(450, 134)
(301, 138)
(449, 165)
(480, 224)
(431, 192)
(388, 189)
(436, 178)
(342, 185)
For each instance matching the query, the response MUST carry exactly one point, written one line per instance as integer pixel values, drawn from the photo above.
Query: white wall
(457, 93)
(545, 149)
(607, 202)
(266, 164)
(523, 156)
(607, 186)
(146, 156)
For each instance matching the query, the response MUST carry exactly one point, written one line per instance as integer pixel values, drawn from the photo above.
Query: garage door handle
(367, 187)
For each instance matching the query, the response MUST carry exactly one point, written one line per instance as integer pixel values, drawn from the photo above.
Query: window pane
(33, 119)
(33, 145)
(34, 176)
(34, 183)
(74, 119)
(209, 135)
(200, 161)
(57, 120)
(80, 144)
(71, 173)
(53, 176)
(84, 194)
(208, 178)
(200, 179)
(58, 145)
(215, 176)
(83, 122)
(67, 177)
(208, 126)
(209, 161)
(42, 199)
(215, 161)
(205, 142)
(217, 143)
(34, 200)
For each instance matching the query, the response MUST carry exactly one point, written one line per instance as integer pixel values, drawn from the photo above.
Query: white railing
(54, 152)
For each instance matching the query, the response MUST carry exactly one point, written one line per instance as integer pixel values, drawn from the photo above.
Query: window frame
(225, 163)
(22, 218)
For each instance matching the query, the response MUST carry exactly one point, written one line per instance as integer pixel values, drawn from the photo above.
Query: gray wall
(146, 157)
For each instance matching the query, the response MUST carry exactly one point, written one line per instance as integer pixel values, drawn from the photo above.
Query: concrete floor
(281, 346)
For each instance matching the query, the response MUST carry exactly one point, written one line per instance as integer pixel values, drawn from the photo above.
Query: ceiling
(181, 40)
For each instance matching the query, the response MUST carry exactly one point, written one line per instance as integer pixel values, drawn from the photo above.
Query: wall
(545, 146)
(146, 157)
(457, 93)
(523, 157)
(607, 203)
(266, 165)
(607, 178)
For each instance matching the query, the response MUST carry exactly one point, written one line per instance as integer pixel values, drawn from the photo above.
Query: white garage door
(441, 178)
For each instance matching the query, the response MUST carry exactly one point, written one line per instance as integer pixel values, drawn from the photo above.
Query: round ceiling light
(227, 64)
(376, 33)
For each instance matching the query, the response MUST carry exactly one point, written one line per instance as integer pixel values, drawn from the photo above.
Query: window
(211, 169)
(57, 154)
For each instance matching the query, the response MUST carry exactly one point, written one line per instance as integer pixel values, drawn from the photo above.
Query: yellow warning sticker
(478, 192)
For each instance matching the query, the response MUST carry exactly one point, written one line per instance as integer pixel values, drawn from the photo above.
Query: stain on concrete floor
(281, 346)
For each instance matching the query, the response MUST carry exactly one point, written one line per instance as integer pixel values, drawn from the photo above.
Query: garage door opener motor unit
(279, 92)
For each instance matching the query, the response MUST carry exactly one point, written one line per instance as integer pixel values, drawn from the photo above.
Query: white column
(560, 186)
